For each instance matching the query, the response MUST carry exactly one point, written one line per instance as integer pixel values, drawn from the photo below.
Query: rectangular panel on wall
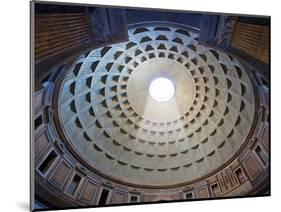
(60, 175)
(88, 193)
(252, 40)
(150, 197)
(252, 166)
(202, 192)
(56, 32)
(41, 143)
(233, 180)
(265, 137)
(119, 198)
(37, 100)
(221, 182)
(174, 196)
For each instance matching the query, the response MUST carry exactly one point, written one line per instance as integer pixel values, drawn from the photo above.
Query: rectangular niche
(38, 122)
(261, 154)
(240, 175)
(189, 195)
(47, 163)
(215, 190)
(134, 198)
(103, 197)
(73, 185)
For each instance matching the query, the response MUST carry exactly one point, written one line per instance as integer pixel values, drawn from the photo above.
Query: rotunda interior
(133, 106)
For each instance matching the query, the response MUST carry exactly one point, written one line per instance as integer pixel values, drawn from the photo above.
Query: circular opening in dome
(162, 89)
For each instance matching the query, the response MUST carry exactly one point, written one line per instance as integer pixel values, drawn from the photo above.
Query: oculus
(162, 89)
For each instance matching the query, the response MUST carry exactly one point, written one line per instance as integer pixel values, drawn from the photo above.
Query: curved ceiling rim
(90, 167)
(164, 23)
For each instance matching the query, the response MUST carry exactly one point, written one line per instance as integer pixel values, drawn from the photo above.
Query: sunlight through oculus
(162, 89)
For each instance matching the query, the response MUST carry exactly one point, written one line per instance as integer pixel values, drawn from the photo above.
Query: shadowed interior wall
(56, 32)
(252, 40)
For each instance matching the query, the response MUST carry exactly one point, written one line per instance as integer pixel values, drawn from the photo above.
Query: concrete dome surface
(117, 128)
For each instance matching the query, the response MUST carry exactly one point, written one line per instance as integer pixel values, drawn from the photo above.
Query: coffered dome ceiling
(117, 128)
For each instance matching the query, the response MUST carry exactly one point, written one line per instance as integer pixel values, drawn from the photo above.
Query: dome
(116, 127)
